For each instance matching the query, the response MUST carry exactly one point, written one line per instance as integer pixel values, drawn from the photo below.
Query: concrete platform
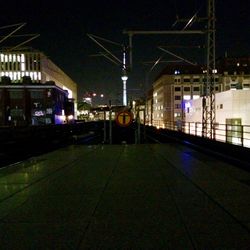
(149, 196)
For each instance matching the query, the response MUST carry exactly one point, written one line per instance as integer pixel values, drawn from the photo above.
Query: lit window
(22, 66)
(22, 58)
(196, 97)
(186, 97)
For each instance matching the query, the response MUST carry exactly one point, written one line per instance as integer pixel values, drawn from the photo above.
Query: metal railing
(228, 133)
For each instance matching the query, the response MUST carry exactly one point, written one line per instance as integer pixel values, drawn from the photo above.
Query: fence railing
(228, 133)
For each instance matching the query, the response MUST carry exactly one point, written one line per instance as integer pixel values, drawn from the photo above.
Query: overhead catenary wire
(11, 35)
(92, 37)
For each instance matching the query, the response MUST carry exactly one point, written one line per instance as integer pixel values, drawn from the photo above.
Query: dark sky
(63, 27)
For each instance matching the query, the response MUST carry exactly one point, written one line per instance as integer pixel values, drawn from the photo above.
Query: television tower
(124, 77)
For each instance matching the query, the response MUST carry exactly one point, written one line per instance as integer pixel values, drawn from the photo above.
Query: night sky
(63, 27)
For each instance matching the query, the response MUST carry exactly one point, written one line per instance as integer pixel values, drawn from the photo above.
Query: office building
(36, 65)
(180, 83)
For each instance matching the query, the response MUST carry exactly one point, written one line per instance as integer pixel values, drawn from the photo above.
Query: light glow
(196, 97)
(124, 78)
(70, 117)
(186, 97)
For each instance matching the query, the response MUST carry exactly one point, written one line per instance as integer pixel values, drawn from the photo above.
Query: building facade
(37, 66)
(232, 116)
(178, 84)
(175, 85)
(34, 104)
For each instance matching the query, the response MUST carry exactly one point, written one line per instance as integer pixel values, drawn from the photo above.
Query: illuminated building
(232, 116)
(36, 65)
(175, 84)
(178, 84)
(26, 103)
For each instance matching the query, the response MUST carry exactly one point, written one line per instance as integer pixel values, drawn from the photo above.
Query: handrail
(228, 133)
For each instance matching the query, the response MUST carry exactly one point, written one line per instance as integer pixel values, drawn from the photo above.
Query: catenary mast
(208, 101)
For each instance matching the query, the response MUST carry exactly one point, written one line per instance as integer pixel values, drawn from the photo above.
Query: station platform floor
(149, 196)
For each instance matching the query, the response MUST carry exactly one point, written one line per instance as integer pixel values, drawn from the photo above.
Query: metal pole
(139, 127)
(242, 135)
(104, 128)
(160, 32)
(110, 123)
(130, 52)
(144, 123)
